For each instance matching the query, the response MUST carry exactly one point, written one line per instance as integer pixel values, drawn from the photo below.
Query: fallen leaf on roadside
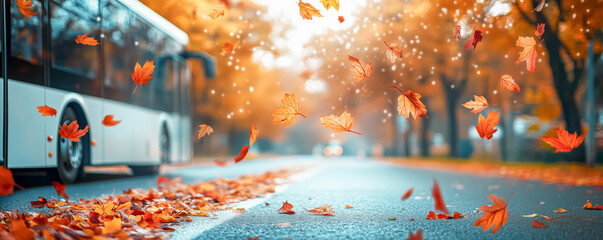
(495, 215)
(564, 142)
(431, 215)
(25, 8)
(480, 103)
(342, 123)
(112, 226)
(359, 69)
(286, 208)
(407, 194)
(560, 210)
(409, 103)
(242, 154)
(326, 210)
(392, 219)
(416, 236)
(536, 224)
(72, 132)
(85, 40)
(253, 135)
(229, 47)
(348, 206)
(203, 130)
(7, 183)
(239, 210)
(60, 188)
(288, 113)
(531, 215)
(307, 11)
(547, 217)
(39, 204)
(109, 122)
(20, 230)
(590, 206)
(47, 111)
(437, 197)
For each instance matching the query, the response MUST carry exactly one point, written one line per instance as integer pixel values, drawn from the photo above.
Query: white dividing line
(202, 224)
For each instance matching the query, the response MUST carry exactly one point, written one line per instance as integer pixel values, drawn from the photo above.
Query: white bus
(41, 64)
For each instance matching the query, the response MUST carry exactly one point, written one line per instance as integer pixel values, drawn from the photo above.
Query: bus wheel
(71, 155)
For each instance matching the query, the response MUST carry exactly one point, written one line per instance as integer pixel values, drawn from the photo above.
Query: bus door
(2, 82)
(184, 108)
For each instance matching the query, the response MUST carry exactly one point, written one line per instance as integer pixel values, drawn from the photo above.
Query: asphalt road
(373, 189)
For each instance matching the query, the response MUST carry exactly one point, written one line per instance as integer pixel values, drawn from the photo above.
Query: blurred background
(281, 53)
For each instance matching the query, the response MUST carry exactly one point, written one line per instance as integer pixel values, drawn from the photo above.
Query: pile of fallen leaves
(137, 213)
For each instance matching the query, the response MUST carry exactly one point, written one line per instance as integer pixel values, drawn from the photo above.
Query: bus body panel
(1, 120)
(91, 107)
(26, 126)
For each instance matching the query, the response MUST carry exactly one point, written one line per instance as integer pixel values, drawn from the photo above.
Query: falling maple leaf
(60, 188)
(7, 183)
(393, 51)
(287, 114)
(342, 123)
(478, 105)
(253, 135)
(539, 7)
(536, 224)
(564, 142)
(39, 204)
(226, 3)
(229, 47)
(359, 70)
(204, 129)
(409, 104)
(142, 75)
(477, 37)
(437, 197)
(539, 30)
(286, 208)
(216, 13)
(326, 210)
(457, 31)
(485, 126)
(109, 122)
(415, 236)
(560, 210)
(494, 215)
(242, 154)
(72, 132)
(528, 54)
(85, 40)
(25, 8)
(507, 82)
(341, 19)
(431, 215)
(307, 11)
(47, 111)
(330, 3)
(407, 194)
(392, 219)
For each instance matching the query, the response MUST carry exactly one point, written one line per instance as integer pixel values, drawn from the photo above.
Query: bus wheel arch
(72, 156)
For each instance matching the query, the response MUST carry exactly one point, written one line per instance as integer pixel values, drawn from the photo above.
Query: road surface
(373, 189)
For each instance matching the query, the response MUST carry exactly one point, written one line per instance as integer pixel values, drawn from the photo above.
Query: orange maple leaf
(415, 236)
(330, 3)
(326, 210)
(507, 82)
(539, 30)
(286, 208)
(287, 114)
(409, 104)
(537, 224)
(477, 37)
(142, 75)
(564, 142)
(437, 197)
(72, 132)
(359, 70)
(341, 19)
(216, 13)
(20, 230)
(112, 226)
(407, 194)
(348, 206)
(478, 105)
(307, 11)
(485, 126)
(204, 129)
(242, 154)
(342, 123)
(109, 122)
(85, 40)
(47, 111)
(393, 51)
(7, 183)
(60, 188)
(253, 135)
(25, 8)
(494, 215)
(528, 54)
(229, 47)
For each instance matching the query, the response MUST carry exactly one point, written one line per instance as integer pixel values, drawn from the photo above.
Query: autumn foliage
(7, 183)
(47, 111)
(85, 40)
(307, 11)
(359, 69)
(409, 103)
(25, 8)
(485, 126)
(495, 215)
(109, 121)
(72, 131)
(342, 123)
(142, 75)
(564, 142)
(288, 113)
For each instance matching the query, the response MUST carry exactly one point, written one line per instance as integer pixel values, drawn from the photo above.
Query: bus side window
(147, 41)
(116, 25)
(25, 45)
(164, 85)
(75, 67)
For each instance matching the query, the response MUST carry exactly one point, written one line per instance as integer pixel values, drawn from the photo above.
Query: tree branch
(524, 14)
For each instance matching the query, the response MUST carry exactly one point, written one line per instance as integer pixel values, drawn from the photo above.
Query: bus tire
(72, 156)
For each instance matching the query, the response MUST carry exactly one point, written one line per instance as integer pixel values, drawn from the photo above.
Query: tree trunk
(425, 146)
(453, 132)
